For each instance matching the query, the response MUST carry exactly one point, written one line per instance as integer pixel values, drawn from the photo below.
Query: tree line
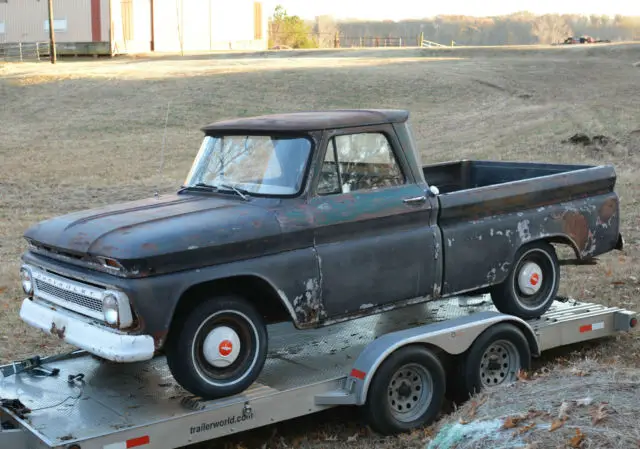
(520, 28)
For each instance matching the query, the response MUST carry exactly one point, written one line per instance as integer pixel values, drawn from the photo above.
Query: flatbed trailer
(81, 402)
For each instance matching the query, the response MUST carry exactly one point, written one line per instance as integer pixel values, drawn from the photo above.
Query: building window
(59, 25)
(257, 20)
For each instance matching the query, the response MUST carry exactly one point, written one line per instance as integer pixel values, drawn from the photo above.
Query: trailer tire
(219, 348)
(494, 358)
(388, 410)
(532, 283)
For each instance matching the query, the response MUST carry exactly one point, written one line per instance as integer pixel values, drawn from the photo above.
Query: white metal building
(137, 26)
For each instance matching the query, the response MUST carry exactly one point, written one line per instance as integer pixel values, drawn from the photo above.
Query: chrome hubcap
(221, 347)
(530, 278)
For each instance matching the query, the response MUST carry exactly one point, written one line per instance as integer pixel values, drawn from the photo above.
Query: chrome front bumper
(86, 334)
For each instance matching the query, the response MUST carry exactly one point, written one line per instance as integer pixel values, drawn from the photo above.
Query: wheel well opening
(256, 290)
(566, 242)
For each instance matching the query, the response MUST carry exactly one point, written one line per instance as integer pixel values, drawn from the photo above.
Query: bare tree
(551, 28)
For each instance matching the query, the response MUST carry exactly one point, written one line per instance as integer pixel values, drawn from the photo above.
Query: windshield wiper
(199, 186)
(243, 193)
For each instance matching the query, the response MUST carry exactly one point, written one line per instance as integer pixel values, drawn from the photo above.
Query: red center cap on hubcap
(535, 278)
(225, 348)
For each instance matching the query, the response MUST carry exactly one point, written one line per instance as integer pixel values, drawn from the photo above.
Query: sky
(406, 9)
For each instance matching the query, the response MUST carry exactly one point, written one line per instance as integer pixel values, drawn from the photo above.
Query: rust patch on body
(607, 210)
(308, 306)
(54, 330)
(575, 225)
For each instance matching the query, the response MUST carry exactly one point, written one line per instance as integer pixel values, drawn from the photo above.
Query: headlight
(110, 309)
(27, 281)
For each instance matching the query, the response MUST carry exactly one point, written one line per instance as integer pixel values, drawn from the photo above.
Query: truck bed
(504, 186)
(487, 210)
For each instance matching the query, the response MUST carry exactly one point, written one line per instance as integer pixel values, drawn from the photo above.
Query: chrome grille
(81, 300)
(69, 293)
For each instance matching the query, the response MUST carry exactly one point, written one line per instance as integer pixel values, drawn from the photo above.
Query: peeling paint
(366, 306)
(308, 306)
(523, 231)
(450, 242)
(491, 275)
(192, 247)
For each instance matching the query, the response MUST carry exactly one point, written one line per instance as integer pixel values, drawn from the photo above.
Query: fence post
(336, 40)
(421, 39)
(20, 50)
(400, 44)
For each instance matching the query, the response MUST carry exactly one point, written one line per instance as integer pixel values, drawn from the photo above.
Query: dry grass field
(90, 132)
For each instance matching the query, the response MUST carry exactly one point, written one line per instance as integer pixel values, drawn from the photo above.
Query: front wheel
(531, 286)
(219, 348)
(407, 391)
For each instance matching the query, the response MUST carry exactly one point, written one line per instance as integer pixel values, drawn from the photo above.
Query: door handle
(415, 200)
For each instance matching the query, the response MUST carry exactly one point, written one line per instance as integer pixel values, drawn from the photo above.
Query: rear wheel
(219, 348)
(406, 392)
(494, 358)
(531, 286)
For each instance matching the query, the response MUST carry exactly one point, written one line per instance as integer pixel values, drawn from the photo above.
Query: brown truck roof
(310, 121)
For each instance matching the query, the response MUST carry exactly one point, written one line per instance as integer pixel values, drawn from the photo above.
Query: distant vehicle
(313, 218)
(583, 40)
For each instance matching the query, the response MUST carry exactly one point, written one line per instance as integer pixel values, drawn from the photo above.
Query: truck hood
(163, 234)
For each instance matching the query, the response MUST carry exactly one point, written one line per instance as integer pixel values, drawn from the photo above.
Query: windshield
(262, 165)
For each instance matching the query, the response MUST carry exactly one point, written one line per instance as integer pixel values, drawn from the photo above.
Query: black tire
(510, 298)
(185, 347)
(422, 365)
(494, 358)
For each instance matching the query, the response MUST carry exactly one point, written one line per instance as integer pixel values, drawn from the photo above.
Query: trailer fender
(452, 336)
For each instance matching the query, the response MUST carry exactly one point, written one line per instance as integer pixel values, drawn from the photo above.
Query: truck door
(375, 229)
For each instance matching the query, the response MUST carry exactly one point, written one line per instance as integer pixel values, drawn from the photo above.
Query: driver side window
(355, 162)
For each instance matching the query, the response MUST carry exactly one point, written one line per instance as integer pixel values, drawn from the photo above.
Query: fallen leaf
(532, 445)
(463, 422)
(556, 424)
(618, 283)
(577, 440)
(526, 428)
(523, 375)
(599, 414)
(512, 421)
(3, 289)
(353, 438)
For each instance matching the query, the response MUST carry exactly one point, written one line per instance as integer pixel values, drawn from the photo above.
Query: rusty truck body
(313, 218)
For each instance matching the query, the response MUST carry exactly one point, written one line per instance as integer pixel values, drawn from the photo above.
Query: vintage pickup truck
(311, 217)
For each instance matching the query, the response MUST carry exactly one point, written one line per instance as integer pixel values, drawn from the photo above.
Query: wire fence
(24, 51)
(342, 40)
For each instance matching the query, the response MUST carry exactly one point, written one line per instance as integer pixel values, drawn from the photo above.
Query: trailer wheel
(407, 391)
(219, 348)
(495, 358)
(532, 283)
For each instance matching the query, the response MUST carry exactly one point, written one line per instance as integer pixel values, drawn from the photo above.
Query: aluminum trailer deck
(112, 406)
